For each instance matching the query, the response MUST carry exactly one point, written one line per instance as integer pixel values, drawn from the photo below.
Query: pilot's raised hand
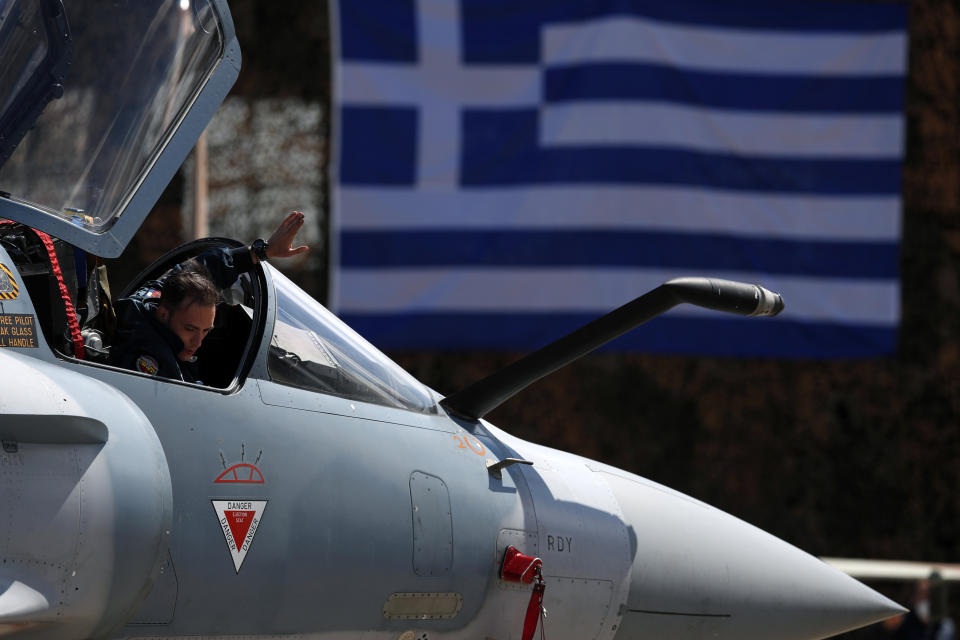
(280, 243)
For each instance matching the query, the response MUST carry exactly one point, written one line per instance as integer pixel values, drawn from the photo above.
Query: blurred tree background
(841, 457)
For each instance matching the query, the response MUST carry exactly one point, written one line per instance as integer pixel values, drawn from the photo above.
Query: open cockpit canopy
(101, 102)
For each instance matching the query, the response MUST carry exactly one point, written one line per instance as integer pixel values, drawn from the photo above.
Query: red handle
(518, 567)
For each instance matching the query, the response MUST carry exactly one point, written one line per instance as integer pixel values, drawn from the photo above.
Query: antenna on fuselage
(485, 395)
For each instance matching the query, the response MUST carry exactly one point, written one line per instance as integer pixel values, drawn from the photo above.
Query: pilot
(164, 323)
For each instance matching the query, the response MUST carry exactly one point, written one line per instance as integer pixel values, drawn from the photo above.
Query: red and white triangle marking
(239, 520)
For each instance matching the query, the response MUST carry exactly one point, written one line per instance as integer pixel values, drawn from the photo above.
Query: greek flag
(505, 171)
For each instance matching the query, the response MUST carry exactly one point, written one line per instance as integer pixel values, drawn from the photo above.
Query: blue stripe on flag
(517, 248)
(500, 148)
(508, 31)
(437, 125)
(378, 30)
(741, 92)
(395, 130)
(720, 335)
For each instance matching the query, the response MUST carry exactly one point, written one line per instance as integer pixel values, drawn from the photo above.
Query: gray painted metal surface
(87, 503)
(339, 510)
(432, 525)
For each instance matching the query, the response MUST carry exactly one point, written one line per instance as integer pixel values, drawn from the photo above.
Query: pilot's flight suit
(145, 344)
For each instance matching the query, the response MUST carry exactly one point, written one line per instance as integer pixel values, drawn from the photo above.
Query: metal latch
(496, 468)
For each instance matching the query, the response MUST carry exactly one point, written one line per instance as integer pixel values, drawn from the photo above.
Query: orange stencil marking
(463, 442)
(482, 450)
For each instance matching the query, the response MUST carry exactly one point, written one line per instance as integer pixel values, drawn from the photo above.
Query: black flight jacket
(143, 343)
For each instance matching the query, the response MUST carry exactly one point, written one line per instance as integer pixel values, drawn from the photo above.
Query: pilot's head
(188, 306)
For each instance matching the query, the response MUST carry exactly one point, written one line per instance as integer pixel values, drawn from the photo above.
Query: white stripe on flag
(623, 39)
(395, 84)
(588, 121)
(597, 291)
(768, 134)
(681, 210)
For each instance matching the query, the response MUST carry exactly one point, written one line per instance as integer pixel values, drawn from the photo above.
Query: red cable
(518, 567)
(534, 609)
(78, 351)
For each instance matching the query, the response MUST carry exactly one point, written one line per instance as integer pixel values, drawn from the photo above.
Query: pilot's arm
(226, 265)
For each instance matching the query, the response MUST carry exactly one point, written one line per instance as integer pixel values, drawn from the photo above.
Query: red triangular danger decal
(239, 520)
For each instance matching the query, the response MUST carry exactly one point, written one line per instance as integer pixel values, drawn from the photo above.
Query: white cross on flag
(505, 171)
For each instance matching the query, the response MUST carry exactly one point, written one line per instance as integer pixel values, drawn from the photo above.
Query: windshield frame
(111, 241)
(261, 367)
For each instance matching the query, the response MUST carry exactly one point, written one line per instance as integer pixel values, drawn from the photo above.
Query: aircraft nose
(701, 573)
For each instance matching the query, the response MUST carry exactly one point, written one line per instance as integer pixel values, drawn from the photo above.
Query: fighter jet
(311, 488)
